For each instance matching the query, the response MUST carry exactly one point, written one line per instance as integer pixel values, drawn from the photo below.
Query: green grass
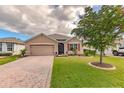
(7, 59)
(74, 72)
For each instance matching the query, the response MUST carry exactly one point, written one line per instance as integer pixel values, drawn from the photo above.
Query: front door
(60, 48)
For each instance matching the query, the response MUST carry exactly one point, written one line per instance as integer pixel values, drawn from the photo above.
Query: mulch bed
(104, 65)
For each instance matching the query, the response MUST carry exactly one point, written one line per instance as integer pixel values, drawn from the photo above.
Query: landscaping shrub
(5, 54)
(88, 52)
(23, 51)
(74, 50)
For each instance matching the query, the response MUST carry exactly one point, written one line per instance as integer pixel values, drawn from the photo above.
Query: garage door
(42, 50)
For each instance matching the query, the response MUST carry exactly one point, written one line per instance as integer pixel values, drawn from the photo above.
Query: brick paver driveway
(28, 72)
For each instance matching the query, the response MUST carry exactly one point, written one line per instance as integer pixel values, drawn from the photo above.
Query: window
(121, 47)
(10, 46)
(0, 46)
(73, 46)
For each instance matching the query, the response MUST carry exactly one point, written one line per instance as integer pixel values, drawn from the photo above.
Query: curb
(113, 68)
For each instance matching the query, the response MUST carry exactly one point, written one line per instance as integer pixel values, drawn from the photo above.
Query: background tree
(100, 29)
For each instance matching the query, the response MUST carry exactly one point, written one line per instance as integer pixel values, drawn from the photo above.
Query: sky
(23, 22)
(6, 33)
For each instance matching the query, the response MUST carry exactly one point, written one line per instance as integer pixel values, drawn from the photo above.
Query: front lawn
(7, 59)
(74, 72)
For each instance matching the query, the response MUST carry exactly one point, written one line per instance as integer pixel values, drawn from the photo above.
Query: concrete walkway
(28, 72)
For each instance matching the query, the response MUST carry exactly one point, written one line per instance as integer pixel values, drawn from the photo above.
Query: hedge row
(5, 54)
(88, 52)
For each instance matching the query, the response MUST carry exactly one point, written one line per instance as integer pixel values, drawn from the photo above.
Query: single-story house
(53, 44)
(11, 45)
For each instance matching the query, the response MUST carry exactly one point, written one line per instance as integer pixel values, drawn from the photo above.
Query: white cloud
(39, 19)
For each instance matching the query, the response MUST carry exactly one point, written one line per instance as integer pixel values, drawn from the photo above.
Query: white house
(11, 45)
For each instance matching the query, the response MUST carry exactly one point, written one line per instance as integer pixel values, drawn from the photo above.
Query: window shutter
(78, 47)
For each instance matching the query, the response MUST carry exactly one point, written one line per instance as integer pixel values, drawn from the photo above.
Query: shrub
(88, 52)
(23, 51)
(5, 54)
(74, 50)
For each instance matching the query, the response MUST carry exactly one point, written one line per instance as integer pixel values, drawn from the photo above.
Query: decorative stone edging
(113, 68)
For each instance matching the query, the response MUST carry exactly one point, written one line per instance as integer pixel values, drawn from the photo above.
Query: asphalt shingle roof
(11, 40)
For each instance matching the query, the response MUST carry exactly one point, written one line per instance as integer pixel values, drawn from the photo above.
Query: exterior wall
(4, 47)
(16, 50)
(73, 41)
(39, 40)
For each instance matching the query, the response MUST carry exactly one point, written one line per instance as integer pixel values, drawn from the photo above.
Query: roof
(58, 36)
(40, 35)
(11, 40)
(72, 38)
(54, 37)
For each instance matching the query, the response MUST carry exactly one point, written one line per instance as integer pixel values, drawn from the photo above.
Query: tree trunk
(101, 55)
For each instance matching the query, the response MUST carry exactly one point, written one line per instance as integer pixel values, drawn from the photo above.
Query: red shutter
(78, 47)
(68, 47)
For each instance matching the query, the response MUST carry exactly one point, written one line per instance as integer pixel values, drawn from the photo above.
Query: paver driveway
(28, 72)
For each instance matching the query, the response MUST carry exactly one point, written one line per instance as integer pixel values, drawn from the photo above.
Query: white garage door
(38, 50)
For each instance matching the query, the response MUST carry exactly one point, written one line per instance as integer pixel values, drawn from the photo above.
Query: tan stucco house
(53, 44)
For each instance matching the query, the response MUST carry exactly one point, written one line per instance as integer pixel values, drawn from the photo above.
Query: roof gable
(39, 36)
(73, 39)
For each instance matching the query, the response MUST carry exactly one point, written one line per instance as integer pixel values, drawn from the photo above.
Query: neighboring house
(52, 45)
(118, 43)
(11, 45)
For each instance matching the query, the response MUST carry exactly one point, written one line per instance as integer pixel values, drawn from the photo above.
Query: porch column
(78, 47)
(68, 46)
